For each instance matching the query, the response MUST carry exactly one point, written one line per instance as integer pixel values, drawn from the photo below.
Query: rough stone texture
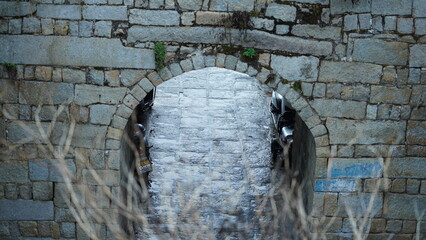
(402, 206)
(296, 68)
(105, 12)
(391, 7)
(58, 50)
(16, 9)
(355, 168)
(43, 191)
(108, 177)
(210, 18)
(47, 93)
(417, 53)
(380, 94)
(150, 17)
(337, 185)
(89, 136)
(419, 8)
(315, 31)
(380, 52)
(405, 25)
(232, 5)
(88, 94)
(59, 11)
(358, 204)
(339, 7)
(365, 132)
(416, 131)
(26, 210)
(349, 72)
(103, 28)
(407, 167)
(13, 171)
(101, 114)
(131, 77)
(73, 76)
(190, 4)
(262, 23)
(339, 108)
(351, 22)
(281, 12)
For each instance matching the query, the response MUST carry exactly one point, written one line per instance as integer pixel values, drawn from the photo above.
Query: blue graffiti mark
(336, 185)
(358, 170)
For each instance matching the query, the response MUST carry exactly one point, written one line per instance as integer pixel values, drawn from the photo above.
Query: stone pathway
(211, 156)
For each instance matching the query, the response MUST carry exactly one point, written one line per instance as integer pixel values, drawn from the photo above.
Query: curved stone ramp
(211, 157)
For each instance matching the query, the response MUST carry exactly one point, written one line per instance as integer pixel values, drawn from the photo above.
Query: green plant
(297, 85)
(9, 66)
(160, 55)
(249, 52)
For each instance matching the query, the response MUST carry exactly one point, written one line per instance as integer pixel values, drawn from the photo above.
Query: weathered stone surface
(26, 210)
(403, 206)
(322, 2)
(257, 39)
(232, 5)
(151, 17)
(131, 77)
(339, 108)
(417, 55)
(59, 11)
(108, 177)
(282, 12)
(416, 132)
(380, 51)
(43, 191)
(296, 68)
(46, 93)
(405, 25)
(89, 94)
(337, 185)
(187, 18)
(73, 75)
(381, 94)
(16, 9)
(210, 18)
(8, 91)
(13, 171)
(190, 4)
(315, 31)
(348, 72)
(356, 168)
(358, 204)
(365, 132)
(391, 7)
(103, 28)
(419, 8)
(61, 50)
(89, 136)
(101, 114)
(105, 12)
(262, 23)
(339, 7)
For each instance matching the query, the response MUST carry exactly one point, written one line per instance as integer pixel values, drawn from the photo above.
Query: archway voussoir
(241, 66)
(114, 133)
(220, 60)
(198, 62)
(138, 93)
(210, 61)
(263, 75)
(155, 78)
(292, 96)
(146, 85)
(322, 141)
(130, 101)
(175, 69)
(323, 152)
(318, 130)
(186, 65)
(313, 121)
(251, 71)
(230, 62)
(119, 122)
(300, 103)
(165, 74)
(124, 111)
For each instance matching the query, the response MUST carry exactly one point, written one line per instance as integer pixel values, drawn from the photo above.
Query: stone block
(151, 17)
(398, 185)
(315, 31)
(281, 12)
(365, 132)
(365, 21)
(232, 5)
(186, 65)
(416, 132)
(58, 93)
(348, 72)
(73, 75)
(262, 23)
(108, 177)
(31, 25)
(103, 28)
(187, 18)
(420, 26)
(409, 226)
(405, 25)
(96, 77)
(351, 22)
(409, 167)
(155, 78)
(89, 136)
(330, 204)
(337, 185)
(282, 29)
(391, 7)
(97, 159)
(380, 52)
(62, 195)
(131, 77)
(377, 225)
(339, 7)
(9, 91)
(112, 78)
(43, 191)
(28, 228)
(59, 11)
(105, 12)
(43, 73)
(359, 203)
(381, 94)
(88, 94)
(419, 8)
(96, 52)
(297, 68)
(14, 171)
(44, 228)
(403, 206)
(230, 62)
(11, 191)
(63, 215)
(417, 53)
(25, 192)
(68, 229)
(85, 29)
(339, 108)
(390, 23)
(15, 26)
(16, 8)
(355, 168)
(26, 210)
(211, 18)
(190, 4)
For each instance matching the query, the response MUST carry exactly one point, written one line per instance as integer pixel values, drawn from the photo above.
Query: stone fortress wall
(360, 64)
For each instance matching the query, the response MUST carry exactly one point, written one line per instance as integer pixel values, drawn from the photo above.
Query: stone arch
(296, 100)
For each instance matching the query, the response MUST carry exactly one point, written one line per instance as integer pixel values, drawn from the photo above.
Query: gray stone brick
(419, 8)
(402, 206)
(73, 28)
(131, 77)
(365, 132)
(364, 21)
(112, 78)
(63, 215)
(61, 27)
(46, 26)
(349, 72)
(89, 136)
(417, 59)
(4, 26)
(405, 25)
(413, 186)
(381, 52)
(175, 69)
(15, 26)
(88, 94)
(43, 191)
(85, 29)
(281, 12)
(96, 77)
(73, 75)
(262, 23)
(351, 22)
(357, 203)
(109, 177)
(28, 228)
(25, 192)
(420, 26)
(11, 191)
(381, 94)
(68, 229)
(59, 11)
(339, 108)
(58, 93)
(105, 12)
(97, 159)
(101, 114)
(339, 7)
(26, 210)
(378, 23)
(150, 17)
(103, 28)
(282, 29)
(16, 9)
(31, 25)
(211, 18)
(232, 5)
(317, 32)
(14, 171)
(390, 23)
(187, 18)
(391, 7)
(303, 68)
(9, 91)
(190, 4)
(230, 62)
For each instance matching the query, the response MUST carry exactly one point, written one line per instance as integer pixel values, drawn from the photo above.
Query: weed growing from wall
(160, 55)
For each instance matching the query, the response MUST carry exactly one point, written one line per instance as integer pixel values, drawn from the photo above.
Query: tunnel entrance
(213, 174)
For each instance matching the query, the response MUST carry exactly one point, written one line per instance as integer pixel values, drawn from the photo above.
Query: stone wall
(360, 64)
